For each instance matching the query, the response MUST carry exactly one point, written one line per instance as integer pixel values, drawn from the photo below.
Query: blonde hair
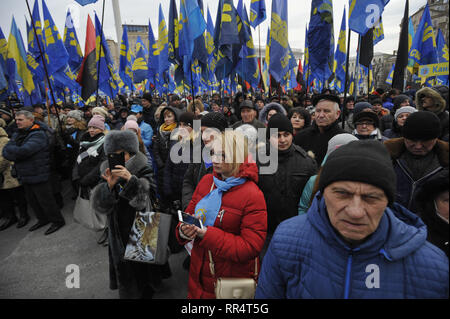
(197, 104)
(234, 145)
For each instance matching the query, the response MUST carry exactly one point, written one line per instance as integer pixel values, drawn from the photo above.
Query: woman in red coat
(233, 211)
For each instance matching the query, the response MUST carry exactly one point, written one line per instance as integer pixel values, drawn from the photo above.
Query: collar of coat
(396, 148)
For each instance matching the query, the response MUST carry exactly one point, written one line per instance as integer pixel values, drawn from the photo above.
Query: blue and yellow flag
(257, 12)
(423, 49)
(210, 48)
(17, 60)
(126, 55)
(56, 53)
(226, 35)
(351, 89)
(174, 39)
(3, 51)
(247, 67)
(378, 32)
(140, 67)
(163, 44)
(306, 71)
(279, 41)
(442, 49)
(411, 34)
(365, 14)
(200, 52)
(72, 45)
(107, 77)
(34, 62)
(340, 57)
(390, 76)
(321, 40)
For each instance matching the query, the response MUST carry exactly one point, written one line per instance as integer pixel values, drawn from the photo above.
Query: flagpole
(346, 85)
(100, 53)
(45, 70)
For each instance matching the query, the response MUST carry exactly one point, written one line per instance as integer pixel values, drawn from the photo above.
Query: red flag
(87, 77)
(300, 81)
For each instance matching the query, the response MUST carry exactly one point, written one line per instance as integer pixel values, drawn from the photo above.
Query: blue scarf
(208, 208)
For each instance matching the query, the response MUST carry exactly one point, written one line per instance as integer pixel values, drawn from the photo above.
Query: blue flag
(320, 40)
(226, 35)
(442, 50)
(257, 12)
(3, 51)
(126, 55)
(365, 14)
(140, 67)
(56, 53)
(378, 32)
(163, 44)
(72, 45)
(306, 71)
(200, 53)
(210, 48)
(423, 49)
(390, 76)
(33, 60)
(174, 39)
(107, 77)
(340, 57)
(153, 59)
(193, 25)
(279, 41)
(247, 67)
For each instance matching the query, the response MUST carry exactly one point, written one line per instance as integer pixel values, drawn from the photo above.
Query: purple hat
(97, 121)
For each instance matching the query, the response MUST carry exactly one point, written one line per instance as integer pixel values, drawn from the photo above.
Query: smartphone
(189, 219)
(116, 159)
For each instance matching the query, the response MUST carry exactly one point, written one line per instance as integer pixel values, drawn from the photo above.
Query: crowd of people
(356, 207)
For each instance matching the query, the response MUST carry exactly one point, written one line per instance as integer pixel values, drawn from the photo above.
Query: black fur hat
(121, 140)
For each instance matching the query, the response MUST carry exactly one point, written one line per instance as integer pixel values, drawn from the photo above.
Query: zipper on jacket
(348, 275)
(414, 183)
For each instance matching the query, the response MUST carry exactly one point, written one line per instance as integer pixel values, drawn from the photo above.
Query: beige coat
(5, 165)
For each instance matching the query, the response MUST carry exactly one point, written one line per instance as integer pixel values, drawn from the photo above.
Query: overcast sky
(140, 11)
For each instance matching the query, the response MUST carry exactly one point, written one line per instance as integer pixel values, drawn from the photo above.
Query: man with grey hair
(326, 125)
(29, 150)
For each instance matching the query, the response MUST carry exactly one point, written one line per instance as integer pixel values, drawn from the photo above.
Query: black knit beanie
(215, 120)
(361, 161)
(422, 126)
(280, 122)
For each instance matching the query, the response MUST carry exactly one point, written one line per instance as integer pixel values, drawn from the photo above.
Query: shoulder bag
(234, 288)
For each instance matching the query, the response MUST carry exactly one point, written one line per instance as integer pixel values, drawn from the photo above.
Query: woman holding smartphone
(234, 217)
(126, 189)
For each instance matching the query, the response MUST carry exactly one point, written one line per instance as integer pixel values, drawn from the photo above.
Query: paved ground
(33, 265)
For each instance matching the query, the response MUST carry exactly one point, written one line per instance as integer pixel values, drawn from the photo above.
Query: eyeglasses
(365, 124)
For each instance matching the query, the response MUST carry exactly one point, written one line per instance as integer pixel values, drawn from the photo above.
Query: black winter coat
(283, 189)
(311, 139)
(30, 151)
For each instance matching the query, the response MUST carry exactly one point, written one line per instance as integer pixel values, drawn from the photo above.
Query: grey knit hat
(121, 140)
(75, 114)
(405, 109)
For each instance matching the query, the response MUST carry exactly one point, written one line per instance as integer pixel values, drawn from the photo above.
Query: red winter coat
(235, 241)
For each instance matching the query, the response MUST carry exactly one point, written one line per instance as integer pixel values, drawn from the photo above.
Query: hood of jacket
(439, 102)
(176, 111)
(3, 132)
(398, 235)
(266, 109)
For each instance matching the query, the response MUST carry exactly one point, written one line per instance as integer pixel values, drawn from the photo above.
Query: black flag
(402, 54)
(366, 49)
(87, 76)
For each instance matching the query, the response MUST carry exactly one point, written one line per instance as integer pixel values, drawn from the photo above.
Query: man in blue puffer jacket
(350, 244)
(29, 149)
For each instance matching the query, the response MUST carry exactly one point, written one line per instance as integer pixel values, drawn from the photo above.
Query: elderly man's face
(326, 113)
(248, 115)
(355, 209)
